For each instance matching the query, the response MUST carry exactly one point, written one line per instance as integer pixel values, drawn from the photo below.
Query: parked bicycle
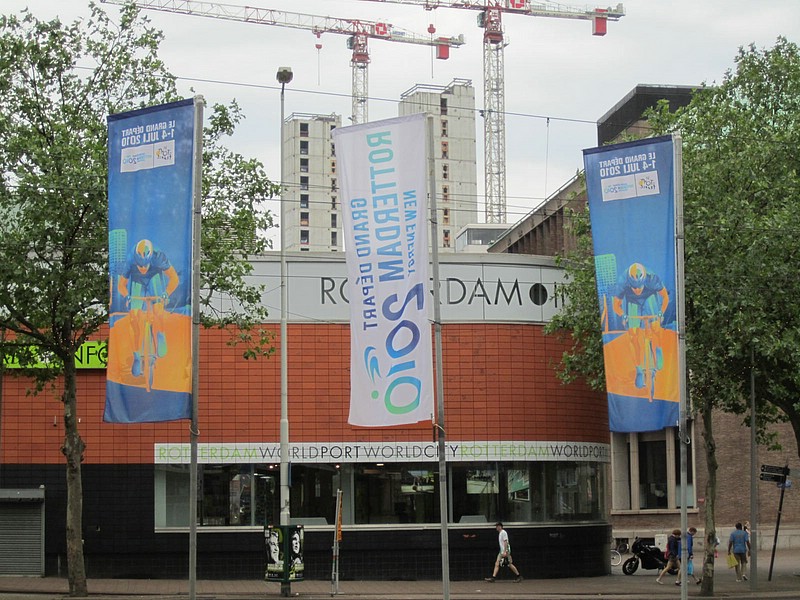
(617, 552)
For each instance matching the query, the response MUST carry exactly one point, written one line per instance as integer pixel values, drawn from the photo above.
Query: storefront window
(248, 495)
(575, 493)
(313, 493)
(475, 492)
(396, 493)
(527, 492)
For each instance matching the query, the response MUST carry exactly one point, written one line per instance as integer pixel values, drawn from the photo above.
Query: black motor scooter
(650, 557)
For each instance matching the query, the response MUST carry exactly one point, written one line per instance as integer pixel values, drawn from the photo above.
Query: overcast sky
(553, 68)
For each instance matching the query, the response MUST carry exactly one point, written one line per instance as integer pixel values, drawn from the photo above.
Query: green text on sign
(91, 355)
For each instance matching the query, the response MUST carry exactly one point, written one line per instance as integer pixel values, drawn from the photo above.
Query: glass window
(652, 474)
(446, 216)
(445, 149)
(445, 172)
(172, 496)
(304, 236)
(303, 200)
(334, 238)
(227, 495)
(444, 128)
(481, 492)
(333, 221)
(443, 105)
(303, 147)
(576, 492)
(303, 129)
(475, 492)
(313, 492)
(396, 493)
(333, 202)
(528, 492)
(303, 182)
(304, 219)
(304, 165)
(646, 469)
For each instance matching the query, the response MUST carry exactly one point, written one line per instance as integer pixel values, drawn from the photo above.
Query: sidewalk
(641, 585)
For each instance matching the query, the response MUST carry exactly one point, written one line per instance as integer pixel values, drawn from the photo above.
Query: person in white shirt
(504, 556)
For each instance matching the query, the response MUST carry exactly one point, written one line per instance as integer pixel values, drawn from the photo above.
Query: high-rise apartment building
(453, 110)
(312, 211)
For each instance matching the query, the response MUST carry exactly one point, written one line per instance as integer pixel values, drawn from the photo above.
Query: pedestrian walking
(504, 555)
(739, 547)
(673, 556)
(690, 533)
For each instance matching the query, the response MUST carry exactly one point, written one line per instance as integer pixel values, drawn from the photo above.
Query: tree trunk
(73, 452)
(707, 587)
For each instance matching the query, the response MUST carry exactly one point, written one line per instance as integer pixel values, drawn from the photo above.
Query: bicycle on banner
(152, 344)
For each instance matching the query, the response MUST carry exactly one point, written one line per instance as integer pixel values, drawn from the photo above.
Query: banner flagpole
(194, 432)
(683, 437)
(437, 328)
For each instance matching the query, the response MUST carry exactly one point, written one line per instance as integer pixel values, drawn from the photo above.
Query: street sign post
(778, 475)
(775, 470)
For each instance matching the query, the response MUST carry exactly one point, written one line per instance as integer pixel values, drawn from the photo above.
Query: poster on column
(382, 171)
(630, 188)
(150, 161)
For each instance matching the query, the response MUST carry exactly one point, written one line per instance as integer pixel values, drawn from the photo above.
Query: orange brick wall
(499, 384)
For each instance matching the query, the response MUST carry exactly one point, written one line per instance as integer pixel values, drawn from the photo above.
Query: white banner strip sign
(396, 452)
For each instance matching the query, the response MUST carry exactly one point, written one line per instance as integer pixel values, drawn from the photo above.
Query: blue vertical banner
(631, 193)
(150, 184)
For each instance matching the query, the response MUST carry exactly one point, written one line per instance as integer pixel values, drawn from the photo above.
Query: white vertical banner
(382, 171)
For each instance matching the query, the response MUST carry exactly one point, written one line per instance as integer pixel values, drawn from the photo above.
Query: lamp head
(284, 75)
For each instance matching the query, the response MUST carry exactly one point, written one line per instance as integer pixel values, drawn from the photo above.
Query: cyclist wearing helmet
(640, 294)
(144, 275)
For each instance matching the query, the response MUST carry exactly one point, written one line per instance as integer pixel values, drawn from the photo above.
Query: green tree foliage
(58, 82)
(579, 319)
(741, 156)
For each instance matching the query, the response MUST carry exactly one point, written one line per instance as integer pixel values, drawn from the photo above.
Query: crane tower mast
(494, 129)
(358, 30)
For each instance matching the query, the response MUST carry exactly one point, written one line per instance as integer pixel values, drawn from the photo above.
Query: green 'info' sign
(91, 355)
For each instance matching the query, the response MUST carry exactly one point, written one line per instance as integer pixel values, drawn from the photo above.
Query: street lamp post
(284, 76)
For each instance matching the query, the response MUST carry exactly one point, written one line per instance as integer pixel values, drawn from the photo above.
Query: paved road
(642, 585)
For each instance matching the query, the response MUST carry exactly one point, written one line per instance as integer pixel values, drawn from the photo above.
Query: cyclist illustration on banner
(146, 284)
(641, 301)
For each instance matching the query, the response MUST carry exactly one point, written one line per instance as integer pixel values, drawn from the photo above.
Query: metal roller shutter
(22, 536)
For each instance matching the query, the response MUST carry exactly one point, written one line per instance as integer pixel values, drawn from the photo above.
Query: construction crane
(494, 129)
(358, 30)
